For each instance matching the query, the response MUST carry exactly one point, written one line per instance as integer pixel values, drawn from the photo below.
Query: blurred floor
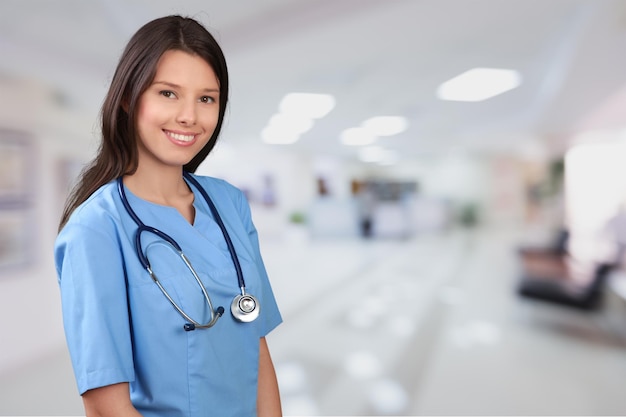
(427, 326)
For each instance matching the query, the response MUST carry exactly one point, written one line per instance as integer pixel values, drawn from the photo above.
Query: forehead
(183, 68)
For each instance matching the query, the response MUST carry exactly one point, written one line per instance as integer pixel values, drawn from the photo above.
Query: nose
(187, 113)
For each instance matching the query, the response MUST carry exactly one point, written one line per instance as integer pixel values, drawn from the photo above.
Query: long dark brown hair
(117, 154)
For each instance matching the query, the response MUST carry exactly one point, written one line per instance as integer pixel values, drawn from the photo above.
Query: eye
(207, 99)
(167, 94)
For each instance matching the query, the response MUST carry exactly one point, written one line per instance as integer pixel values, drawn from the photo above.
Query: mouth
(180, 137)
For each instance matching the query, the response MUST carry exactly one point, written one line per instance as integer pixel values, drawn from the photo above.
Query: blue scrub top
(121, 328)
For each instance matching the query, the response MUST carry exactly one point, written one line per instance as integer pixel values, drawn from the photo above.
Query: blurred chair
(565, 287)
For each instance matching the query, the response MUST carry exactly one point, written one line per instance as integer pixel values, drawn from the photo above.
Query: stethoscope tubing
(193, 324)
(220, 223)
(143, 259)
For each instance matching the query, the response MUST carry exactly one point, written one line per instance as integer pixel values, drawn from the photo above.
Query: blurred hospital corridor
(425, 326)
(431, 326)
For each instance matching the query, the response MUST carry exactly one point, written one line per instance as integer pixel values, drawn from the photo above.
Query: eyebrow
(173, 85)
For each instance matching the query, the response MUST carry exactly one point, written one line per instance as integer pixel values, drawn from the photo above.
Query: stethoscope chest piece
(245, 308)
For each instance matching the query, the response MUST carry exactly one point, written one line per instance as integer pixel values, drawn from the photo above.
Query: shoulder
(229, 199)
(94, 227)
(99, 212)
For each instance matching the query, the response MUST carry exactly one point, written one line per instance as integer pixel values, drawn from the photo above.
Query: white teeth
(182, 138)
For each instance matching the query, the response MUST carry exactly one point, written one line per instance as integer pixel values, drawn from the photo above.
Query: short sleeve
(95, 309)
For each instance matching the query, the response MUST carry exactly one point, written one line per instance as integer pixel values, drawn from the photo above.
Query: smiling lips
(180, 138)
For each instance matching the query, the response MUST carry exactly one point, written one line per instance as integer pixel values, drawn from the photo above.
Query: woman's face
(178, 112)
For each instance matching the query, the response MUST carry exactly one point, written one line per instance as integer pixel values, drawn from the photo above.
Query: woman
(150, 331)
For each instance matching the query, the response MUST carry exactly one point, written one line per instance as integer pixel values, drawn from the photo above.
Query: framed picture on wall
(17, 173)
(15, 238)
(14, 167)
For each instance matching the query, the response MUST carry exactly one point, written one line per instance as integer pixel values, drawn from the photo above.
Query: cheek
(149, 123)
(210, 119)
(147, 116)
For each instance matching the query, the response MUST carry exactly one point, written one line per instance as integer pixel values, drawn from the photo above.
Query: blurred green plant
(297, 217)
(468, 215)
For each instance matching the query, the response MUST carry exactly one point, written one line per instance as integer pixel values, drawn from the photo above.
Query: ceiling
(376, 57)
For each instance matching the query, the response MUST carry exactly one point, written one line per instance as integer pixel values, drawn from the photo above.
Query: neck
(163, 186)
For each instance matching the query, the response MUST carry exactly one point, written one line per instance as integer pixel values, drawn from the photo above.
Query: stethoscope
(244, 308)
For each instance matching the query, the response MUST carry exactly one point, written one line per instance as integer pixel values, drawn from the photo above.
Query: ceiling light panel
(277, 136)
(357, 136)
(479, 84)
(386, 125)
(295, 117)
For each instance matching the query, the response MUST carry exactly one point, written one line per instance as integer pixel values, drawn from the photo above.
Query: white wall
(30, 315)
(596, 196)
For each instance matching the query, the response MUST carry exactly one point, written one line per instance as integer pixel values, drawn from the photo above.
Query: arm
(111, 400)
(268, 397)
